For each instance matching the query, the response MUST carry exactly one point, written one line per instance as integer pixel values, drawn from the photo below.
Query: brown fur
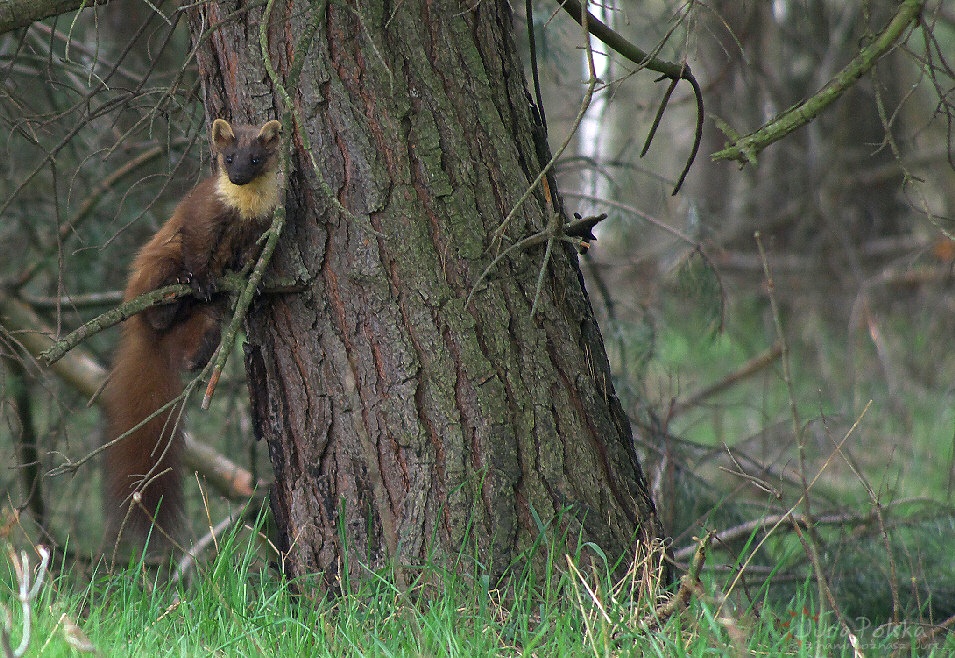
(214, 228)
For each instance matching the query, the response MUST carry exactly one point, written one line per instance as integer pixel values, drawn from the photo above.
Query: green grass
(237, 606)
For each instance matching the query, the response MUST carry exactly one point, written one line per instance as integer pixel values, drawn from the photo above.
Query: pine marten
(214, 228)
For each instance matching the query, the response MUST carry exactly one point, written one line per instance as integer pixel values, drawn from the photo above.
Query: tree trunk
(403, 423)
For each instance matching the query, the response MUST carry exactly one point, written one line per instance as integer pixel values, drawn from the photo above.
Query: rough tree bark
(402, 422)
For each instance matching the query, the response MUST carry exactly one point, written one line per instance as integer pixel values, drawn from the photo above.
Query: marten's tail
(142, 470)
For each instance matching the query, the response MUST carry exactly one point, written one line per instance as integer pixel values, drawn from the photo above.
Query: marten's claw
(202, 288)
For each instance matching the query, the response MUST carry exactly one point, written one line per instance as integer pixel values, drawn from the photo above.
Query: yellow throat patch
(255, 199)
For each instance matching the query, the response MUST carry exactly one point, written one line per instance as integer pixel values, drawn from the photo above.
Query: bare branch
(165, 295)
(672, 70)
(20, 13)
(746, 148)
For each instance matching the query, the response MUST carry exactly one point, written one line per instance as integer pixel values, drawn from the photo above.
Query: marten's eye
(256, 161)
(229, 159)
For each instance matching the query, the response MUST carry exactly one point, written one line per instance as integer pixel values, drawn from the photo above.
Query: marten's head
(246, 152)
(248, 163)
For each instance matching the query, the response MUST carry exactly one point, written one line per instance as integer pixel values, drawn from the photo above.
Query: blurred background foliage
(104, 131)
(854, 212)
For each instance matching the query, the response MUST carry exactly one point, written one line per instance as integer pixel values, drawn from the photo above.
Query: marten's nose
(241, 176)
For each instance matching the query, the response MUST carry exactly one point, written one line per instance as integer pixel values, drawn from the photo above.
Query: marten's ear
(270, 132)
(222, 134)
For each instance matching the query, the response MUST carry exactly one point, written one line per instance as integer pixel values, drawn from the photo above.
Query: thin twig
(671, 70)
(165, 295)
(746, 529)
(28, 588)
(689, 584)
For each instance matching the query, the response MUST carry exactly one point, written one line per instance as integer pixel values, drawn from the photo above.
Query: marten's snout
(241, 177)
(242, 169)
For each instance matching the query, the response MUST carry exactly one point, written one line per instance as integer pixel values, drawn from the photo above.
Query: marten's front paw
(202, 287)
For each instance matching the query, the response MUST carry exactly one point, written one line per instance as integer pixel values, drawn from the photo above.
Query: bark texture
(402, 423)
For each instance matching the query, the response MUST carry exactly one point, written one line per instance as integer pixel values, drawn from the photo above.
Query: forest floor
(811, 432)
